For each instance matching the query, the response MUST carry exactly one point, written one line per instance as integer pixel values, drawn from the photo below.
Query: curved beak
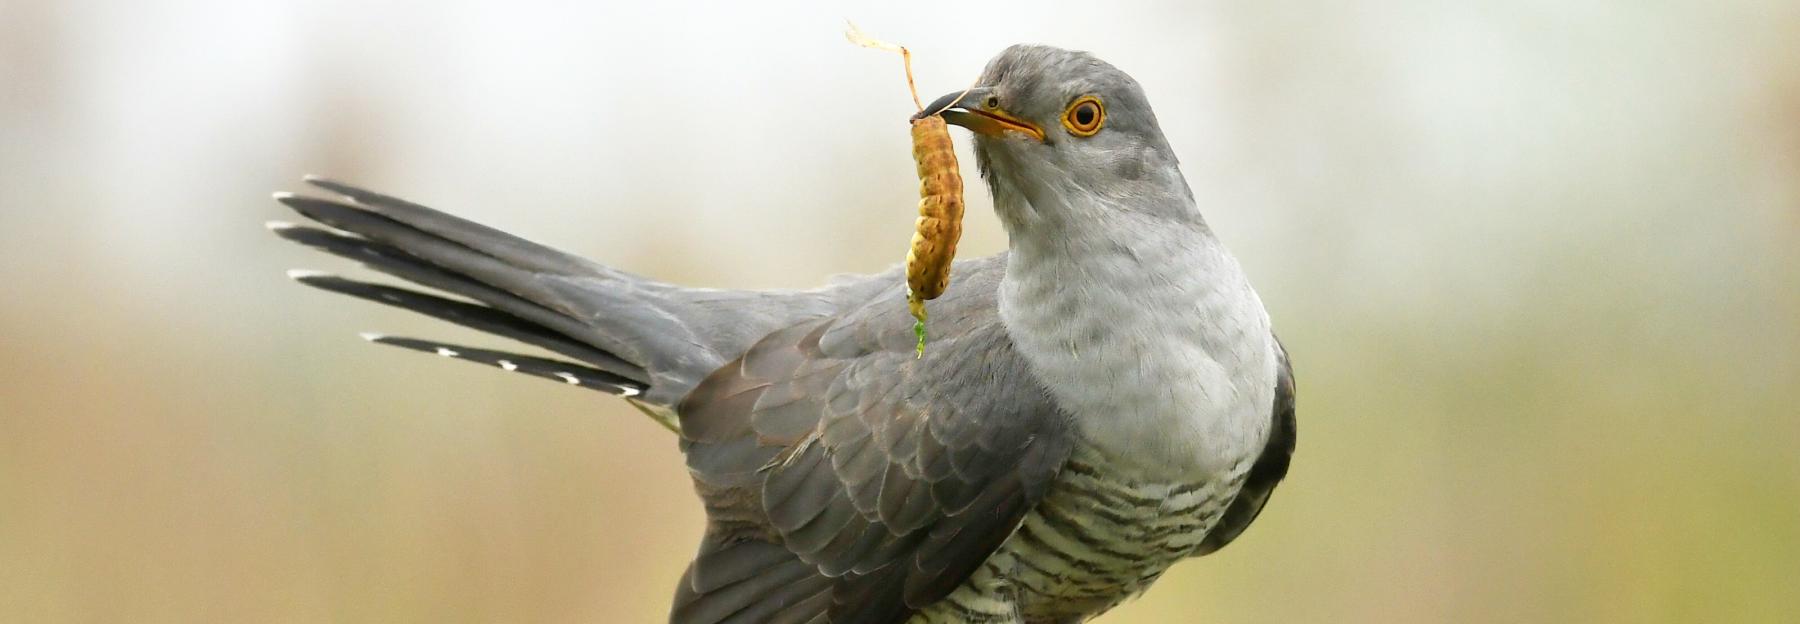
(970, 110)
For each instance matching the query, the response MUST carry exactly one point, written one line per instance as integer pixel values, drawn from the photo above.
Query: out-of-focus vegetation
(1537, 264)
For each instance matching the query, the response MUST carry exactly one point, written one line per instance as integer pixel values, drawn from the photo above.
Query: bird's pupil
(1084, 115)
(992, 102)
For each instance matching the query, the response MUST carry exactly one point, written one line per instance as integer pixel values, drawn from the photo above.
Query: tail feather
(511, 249)
(501, 272)
(662, 338)
(613, 311)
(554, 370)
(477, 317)
(392, 261)
(445, 254)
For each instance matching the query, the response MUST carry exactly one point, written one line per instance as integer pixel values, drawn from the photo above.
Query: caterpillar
(939, 225)
(940, 219)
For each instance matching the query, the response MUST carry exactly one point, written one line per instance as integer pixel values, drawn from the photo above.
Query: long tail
(623, 334)
(514, 288)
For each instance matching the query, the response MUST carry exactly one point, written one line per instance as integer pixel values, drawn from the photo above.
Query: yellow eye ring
(1085, 116)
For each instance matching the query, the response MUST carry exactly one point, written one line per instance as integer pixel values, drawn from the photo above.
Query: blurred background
(1536, 262)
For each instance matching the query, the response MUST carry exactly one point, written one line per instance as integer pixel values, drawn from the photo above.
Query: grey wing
(846, 481)
(1270, 467)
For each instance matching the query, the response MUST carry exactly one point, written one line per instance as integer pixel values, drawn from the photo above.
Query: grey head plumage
(1035, 160)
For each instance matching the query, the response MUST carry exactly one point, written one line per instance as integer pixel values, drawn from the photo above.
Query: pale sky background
(1536, 262)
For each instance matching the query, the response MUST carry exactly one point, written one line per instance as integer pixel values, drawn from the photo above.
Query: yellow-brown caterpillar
(940, 200)
(940, 218)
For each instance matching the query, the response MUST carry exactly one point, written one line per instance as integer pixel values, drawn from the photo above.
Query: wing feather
(1270, 468)
(892, 478)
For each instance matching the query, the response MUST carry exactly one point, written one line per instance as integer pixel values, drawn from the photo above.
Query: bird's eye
(1085, 116)
(992, 102)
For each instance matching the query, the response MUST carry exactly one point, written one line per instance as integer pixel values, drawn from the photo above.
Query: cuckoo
(1098, 402)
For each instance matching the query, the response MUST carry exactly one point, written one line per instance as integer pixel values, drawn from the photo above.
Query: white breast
(1159, 349)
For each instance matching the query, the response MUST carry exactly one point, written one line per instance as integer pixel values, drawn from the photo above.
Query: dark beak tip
(943, 103)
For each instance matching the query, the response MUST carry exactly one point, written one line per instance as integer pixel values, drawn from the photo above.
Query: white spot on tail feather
(508, 365)
(305, 273)
(628, 391)
(278, 226)
(569, 378)
(372, 336)
(447, 352)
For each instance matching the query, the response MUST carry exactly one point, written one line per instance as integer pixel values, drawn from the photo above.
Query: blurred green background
(1536, 263)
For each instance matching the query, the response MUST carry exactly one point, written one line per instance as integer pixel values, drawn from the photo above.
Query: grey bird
(1098, 402)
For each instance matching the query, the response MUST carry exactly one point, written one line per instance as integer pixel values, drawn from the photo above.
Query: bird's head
(1063, 138)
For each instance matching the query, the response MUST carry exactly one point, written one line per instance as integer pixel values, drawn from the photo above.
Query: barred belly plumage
(1092, 542)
